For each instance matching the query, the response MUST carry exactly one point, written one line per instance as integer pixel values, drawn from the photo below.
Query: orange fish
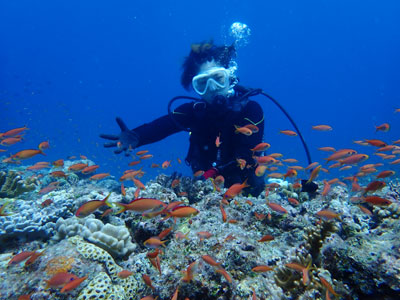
(374, 186)
(163, 234)
(198, 173)
(14, 132)
(275, 175)
(99, 176)
(293, 201)
(311, 166)
(260, 170)
(328, 214)
(58, 163)
(243, 130)
(179, 160)
(124, 274)
(138, 183)
(44, 145)
(265, 160)
(384, 127)
(354, 159)
(175, 183)
(25, 154)
(341, 154)
(266, 238)
(90, 169)
(385, 174)
(189, 272)
(147, 281)
(89, 207)
(225, 274)
(182, 212)
(290, 173)
(328, 286)
(154, 242)
(300, 268)
(327, 188)
(10, 141)
(261, 147)
(77, 167)
(276, 207)
(73, 284)
(204, 235)
(208, 259)
(395, 162)
(175, 295)
(322, 127)
(290, 160)
(252, 127)
(59, 174)
(262, 269)
(123, 191)
(59, 279)
(218, 141)
(235, 190)
(314, 174)
(224, 217)
(141, 152)
(134, 163)
(154, 166)
(241, 163)
(288, 132)
(141, 205)
(33, 258)
(20, 257)
(146, 156)
(327, 149)
(376, 143)
(166, 164)
(365, 210)
(375, 200)
(219, 180)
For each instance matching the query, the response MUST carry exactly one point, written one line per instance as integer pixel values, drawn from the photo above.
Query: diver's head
(209, 70)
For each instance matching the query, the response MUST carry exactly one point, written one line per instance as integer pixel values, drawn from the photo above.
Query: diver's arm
(164, 126)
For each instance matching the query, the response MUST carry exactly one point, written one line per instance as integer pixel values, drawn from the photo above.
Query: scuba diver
(215, 144)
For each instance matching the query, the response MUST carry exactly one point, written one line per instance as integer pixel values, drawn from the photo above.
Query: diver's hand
(125, 141)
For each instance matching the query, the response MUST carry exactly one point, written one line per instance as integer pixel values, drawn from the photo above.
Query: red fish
(262, 269)
(354, 159)
(235, 190)
(59, 279)
(124, 274)
(14, 132)
(266, 238)
(99, 176)
(90, 169)
(375, 200)
(277, 208)
(288, 132)
(261, 147)
(141, 205)
(243, 130)
(44, 145)
(385, 174)
(20, 257)
(376, 143)
(208, 259)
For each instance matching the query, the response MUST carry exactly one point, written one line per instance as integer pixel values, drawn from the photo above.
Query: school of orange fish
(265, 165)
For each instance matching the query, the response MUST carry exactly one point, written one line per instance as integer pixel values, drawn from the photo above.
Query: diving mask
(211, 80)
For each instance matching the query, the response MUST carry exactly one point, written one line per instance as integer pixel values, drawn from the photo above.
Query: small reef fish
(328, 214)
(204, 235)
(252, 127)
(314, 174)
(154, 242)
(20, 257)
(327, 149)
(208, 259)
(182, 212)
(260, 170)
(59, 279)
(225, 274)
(189, 272)
(328, 286)
(277, 208)
(322, 127)
(261, 147)
(141, 205)
(89, 207)
(302, 269)
(218, 141)
(147, 281)
(99, 176)
(375, 200)
(265, 160)
(384, 127)
(262, 269)
(31, 260)
(198, 173)
(163, 234)
(241, 163)
(235, 190)
(58, 174)
(73, 284)
(134, 163)
(58, 163)
(290, 173)
(290, 160)
(340, 154)
(146, 156)
(243, 130)
(374, 186)
(376, 143)
(90, 169)
(224, 216)
(354, 159)
(311, 166)
(166, 164)
(44, 145)
(25, 154)
(293, 201)
(385, 174)
(142, 152)
(288, 132)
(10, 141)
(266, 238)
(77, 167)
(13, 132)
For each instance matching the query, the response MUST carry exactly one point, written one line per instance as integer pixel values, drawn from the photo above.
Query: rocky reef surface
(257, 250)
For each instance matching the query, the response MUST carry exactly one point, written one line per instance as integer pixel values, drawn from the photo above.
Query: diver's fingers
(110, 144)
(111, 137)
(121, 124)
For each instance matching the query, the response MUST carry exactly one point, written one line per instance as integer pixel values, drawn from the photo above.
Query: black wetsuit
(205, 123)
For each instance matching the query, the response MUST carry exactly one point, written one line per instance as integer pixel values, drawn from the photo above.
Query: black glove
(127, 139)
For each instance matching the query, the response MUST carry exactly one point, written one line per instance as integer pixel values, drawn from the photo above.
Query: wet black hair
(201, 53)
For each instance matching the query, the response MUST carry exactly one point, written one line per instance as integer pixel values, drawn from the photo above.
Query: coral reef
(12, 185)
(114, 239)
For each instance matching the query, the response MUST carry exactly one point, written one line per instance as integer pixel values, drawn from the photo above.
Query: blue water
(68, 68)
